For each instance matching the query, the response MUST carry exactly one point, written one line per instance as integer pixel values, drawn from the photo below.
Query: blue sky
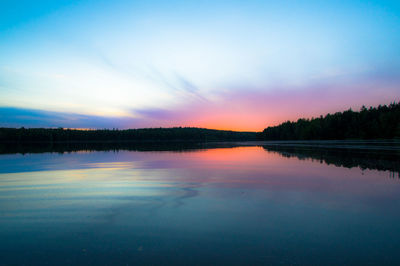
(223, 64)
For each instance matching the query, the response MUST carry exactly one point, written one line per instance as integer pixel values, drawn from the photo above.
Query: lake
(235, 204)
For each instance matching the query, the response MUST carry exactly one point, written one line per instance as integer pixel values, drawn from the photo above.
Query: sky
(237, 65)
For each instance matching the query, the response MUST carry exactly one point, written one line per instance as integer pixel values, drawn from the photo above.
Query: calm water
(248, 205)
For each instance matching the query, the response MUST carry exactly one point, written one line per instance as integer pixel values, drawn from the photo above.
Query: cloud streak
(18, 117)
(236, 109)
(237, 65)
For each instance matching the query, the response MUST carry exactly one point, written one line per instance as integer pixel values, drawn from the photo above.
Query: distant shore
(176, 134)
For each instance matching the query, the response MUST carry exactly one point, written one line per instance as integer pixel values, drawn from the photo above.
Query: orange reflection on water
(238, 154)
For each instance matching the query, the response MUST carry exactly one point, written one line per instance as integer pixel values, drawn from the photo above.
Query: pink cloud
(243, 109)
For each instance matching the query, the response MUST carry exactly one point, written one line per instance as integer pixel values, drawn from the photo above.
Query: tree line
(21, 135)
(382, 122)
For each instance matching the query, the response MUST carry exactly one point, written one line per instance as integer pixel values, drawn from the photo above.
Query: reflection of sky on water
(124, 176)
(243, 199)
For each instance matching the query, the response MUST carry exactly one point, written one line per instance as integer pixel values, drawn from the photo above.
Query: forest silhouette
(382, 122)
(21, 135)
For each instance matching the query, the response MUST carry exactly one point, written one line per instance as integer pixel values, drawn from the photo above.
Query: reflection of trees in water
(383, 156)
(373, 159)
(62, 147)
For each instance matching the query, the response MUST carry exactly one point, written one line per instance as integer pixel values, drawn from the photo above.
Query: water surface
(237, 204)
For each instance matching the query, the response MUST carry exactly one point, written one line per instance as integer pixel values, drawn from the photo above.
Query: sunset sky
(239, 65)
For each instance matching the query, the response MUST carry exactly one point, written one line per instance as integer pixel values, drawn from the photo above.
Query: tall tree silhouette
(382, 122)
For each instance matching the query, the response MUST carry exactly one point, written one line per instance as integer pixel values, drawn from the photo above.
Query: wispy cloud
(17, 117)
(237, 109)
(225, 64)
